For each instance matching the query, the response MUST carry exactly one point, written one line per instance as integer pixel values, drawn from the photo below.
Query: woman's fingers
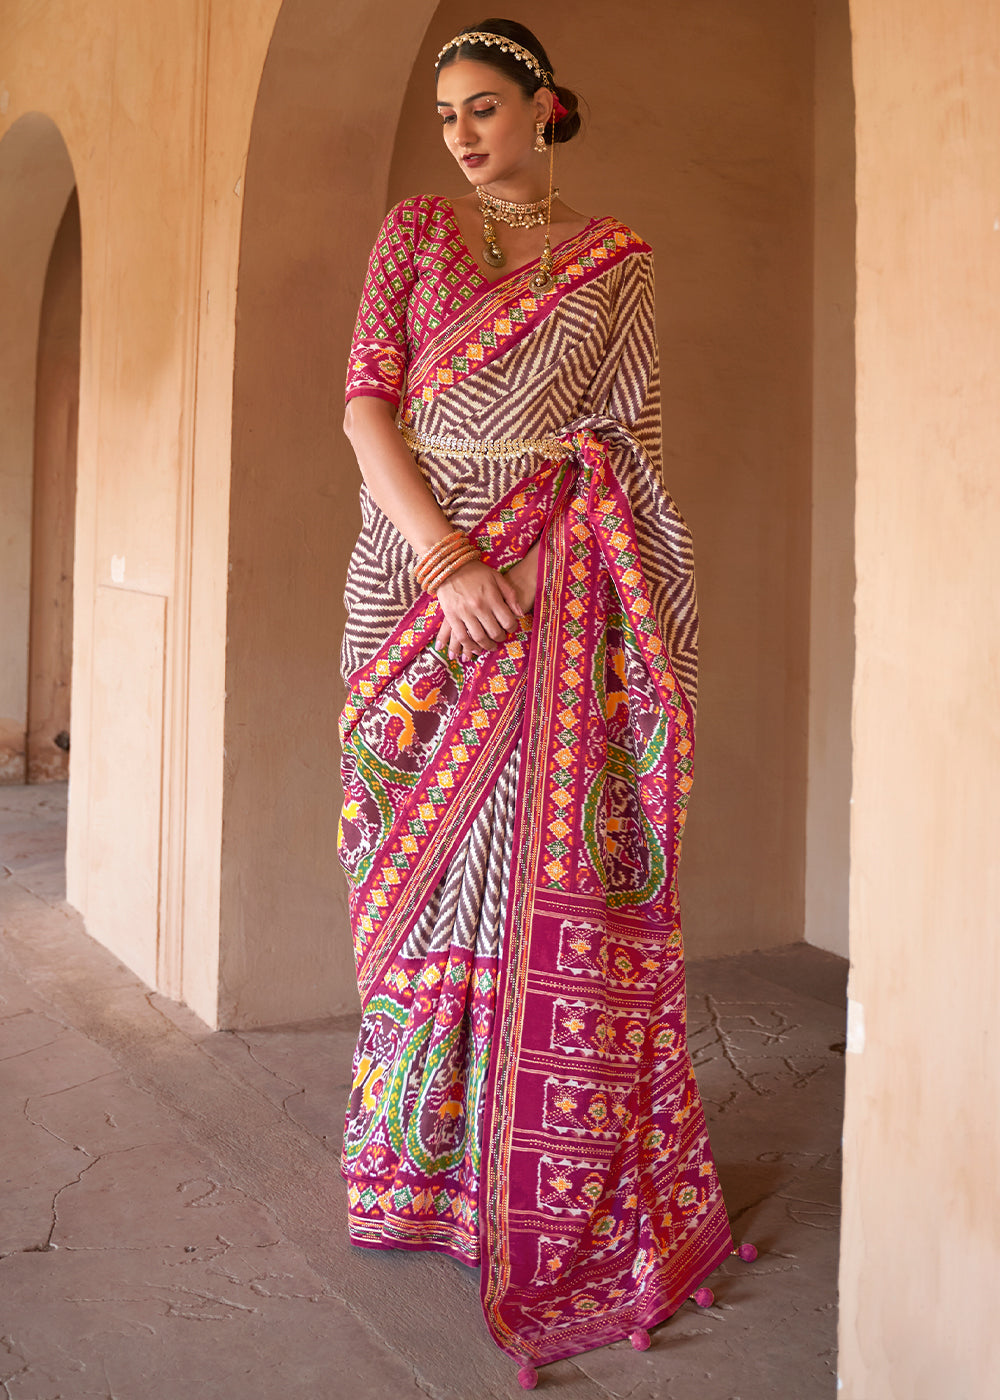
(488, 632)
(509, 594)
(481, 610)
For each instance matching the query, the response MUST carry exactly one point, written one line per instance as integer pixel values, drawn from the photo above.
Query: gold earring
(540, 138)
(544, 279)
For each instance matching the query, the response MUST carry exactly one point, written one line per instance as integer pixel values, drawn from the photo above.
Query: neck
(519, 189)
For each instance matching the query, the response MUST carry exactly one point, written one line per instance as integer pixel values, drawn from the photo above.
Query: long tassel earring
(543, 280)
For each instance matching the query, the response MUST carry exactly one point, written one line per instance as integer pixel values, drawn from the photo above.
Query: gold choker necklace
(511, 214)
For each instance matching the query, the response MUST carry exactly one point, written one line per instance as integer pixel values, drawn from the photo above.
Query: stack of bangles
(444, 559)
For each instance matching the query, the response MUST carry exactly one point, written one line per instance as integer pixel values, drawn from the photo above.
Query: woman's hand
(523, 577)
(476, 609)
(480, 609)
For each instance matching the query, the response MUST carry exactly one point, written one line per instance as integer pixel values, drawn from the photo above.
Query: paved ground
(172, 1219)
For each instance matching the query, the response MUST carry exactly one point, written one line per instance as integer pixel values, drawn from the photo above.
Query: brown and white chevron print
(591, 365)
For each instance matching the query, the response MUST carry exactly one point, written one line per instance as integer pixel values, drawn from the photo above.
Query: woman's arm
(481, 607)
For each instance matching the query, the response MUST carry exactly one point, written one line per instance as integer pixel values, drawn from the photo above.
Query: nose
(465, 134)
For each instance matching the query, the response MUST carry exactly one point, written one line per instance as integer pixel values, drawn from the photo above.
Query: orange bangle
(448, 567)
(452, 566)
(455, 546)
(428, 562)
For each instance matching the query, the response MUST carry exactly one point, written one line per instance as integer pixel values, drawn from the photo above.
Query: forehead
(461, 79)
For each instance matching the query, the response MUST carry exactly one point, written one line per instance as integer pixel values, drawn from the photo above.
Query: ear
(544, 100)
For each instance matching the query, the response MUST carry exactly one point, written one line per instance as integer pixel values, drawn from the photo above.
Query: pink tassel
(527, 1378)
(747, 1252)
(704, 1298)
(640, 1339)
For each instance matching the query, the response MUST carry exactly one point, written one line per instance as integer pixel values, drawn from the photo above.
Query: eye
(485, 111)
(447, 118)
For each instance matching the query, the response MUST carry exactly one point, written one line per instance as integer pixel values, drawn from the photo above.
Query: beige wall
(57, 401)
(700, 137)
(831, 573)
(921, 1242)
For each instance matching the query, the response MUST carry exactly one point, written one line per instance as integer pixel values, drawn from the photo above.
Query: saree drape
(523, 1096)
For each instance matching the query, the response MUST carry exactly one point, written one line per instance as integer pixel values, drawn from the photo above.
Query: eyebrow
(474, 98)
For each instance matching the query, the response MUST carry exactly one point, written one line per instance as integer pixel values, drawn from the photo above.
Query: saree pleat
(414, 1182)
(523, 1094)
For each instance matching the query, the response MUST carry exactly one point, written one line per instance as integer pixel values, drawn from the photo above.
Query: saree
(523, 1097)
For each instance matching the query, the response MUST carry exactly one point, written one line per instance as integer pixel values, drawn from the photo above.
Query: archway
(316, 177)
(36, 183)
(57, 403)
(734, 156)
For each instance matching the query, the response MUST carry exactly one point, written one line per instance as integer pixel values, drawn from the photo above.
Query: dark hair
(517, 70)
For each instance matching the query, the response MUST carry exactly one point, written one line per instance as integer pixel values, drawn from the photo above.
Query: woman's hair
(517, 70)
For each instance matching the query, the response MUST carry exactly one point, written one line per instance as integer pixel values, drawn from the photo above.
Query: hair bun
(567, 126)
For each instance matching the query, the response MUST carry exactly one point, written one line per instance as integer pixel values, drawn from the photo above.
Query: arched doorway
(733, 155)
(57, 402)
(316, 177)
(723, 183)
(39, 392)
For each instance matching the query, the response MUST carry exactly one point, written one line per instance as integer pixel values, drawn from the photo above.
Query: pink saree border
(536, 898)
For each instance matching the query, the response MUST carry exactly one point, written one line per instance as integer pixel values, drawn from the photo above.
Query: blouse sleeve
(377, 364)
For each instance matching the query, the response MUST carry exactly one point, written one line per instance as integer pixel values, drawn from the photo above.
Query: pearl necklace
(511, 214)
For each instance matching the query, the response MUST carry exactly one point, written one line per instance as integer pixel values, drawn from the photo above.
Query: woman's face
(489, 121)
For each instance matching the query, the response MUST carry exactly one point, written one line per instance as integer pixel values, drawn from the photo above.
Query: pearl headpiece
(479, 36)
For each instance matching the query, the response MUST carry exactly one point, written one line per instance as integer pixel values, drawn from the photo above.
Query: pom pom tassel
(704, 1297)
(640, 1340)
(527, 1378)
(747, 1252)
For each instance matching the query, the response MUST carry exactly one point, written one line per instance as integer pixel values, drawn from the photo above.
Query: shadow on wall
(57, 406)
(36, 181)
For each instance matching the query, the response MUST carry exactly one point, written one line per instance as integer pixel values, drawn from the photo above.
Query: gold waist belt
(501, 448)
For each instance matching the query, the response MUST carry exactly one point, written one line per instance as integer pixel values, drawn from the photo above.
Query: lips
(474, 161)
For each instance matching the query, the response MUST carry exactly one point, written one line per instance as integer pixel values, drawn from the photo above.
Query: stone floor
(172, 1219)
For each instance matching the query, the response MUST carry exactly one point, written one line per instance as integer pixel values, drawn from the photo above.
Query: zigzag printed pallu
(523, 1097)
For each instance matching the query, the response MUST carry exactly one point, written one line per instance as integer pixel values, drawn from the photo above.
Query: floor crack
(74, 1146)
(723, 1039)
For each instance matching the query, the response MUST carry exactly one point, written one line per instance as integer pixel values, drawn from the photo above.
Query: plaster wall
(50, 652)
(921, 1239)
(831, 570)
(700, 137)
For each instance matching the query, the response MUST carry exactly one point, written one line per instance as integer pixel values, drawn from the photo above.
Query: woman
(520, 650)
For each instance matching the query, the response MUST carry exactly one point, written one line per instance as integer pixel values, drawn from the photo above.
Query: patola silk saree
(523, 1096)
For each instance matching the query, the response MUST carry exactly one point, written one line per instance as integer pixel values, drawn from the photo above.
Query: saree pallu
(524, 1098)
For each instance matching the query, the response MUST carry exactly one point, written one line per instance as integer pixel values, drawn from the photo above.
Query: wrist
(444, 559)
